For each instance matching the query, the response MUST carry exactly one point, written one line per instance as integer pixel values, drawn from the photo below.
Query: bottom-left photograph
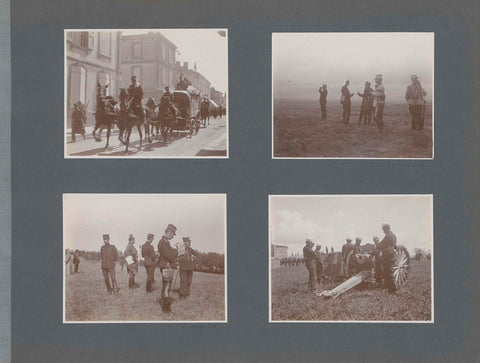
(153, 258)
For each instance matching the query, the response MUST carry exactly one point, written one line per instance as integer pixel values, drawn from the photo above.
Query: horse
(205, 113)
(166, 117)
(151, 121)
(127, 120)
(104, 115)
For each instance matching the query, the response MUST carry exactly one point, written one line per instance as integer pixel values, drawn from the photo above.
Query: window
(82, 39)
(83, 84)
(164, 76)
(172, 56)
(137, 71)
(137, 50)
(163, 51)
(104, 43)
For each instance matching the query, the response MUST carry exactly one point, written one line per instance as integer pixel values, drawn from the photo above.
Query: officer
(167, 255)
(385, 258)
(346, 101)
(109, 256)
(346, 248)
(319, 263)
(132, 266)
(416, 103)
(379, 96)
(323, 100)
(186, 268)
(358, 241)
(148, 253)
(135, 92)
(309, 257)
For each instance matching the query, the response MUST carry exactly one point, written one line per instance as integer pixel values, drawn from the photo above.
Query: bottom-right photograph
(351, 258)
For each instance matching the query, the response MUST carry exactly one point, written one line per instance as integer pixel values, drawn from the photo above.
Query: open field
(299, 131)
(86, 298)
(291, 300)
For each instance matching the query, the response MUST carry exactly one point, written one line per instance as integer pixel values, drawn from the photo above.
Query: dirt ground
(299, 131)
(291, 299)
(86, 298)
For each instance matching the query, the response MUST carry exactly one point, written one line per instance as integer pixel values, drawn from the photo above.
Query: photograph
(351, 258)
(353, 95)
(146, 93)
(144, 258)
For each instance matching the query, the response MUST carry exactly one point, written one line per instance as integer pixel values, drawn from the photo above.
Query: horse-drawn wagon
(188, 105)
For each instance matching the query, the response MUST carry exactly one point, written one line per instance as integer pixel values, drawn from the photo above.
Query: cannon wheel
(401, 267)
(349, 264)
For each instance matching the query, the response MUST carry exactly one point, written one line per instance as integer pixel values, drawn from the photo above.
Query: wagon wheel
(189, 127)
(349, 266)
(401, 267)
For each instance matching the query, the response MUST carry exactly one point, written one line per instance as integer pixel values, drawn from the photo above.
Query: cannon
(359, 266)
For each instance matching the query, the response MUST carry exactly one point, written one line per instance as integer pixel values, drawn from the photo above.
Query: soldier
(346, 101)
(167, 254)
(135, 92)
(76, 260)
(367, 104)
(132, 262)
(186, 268)
(148, 253)
(379, 96)
(109, 256)
(346, 248)
(319, 263)
(183, 83)
(167, 93)
(357, 247)
(323, 100)
(416, 103)
(385, 259)
(309, 257)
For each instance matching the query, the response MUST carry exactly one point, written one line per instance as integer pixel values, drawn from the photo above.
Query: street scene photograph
(353, 95)
(351, 258)
(128, 260)
(146, 93)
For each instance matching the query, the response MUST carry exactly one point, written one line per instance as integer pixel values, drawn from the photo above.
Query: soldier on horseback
(135, 93)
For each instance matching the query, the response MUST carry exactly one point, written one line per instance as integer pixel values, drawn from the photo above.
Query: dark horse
(166, 116)
(127, 120)
(104, 113)
(205, 113)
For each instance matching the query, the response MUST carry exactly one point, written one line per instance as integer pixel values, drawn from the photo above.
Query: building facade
(151, 58)
(91, 57)
(218, 97)
(279, 252)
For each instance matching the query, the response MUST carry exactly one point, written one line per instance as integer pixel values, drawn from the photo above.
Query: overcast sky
(304, 61)
(328, 220)
(204, 46)
(88, 216)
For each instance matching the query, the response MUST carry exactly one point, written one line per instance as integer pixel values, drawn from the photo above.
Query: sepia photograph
(146, 93)
(353, 95)
(351, 258)
(144, 258)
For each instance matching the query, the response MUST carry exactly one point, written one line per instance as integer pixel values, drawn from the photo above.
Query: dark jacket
(148, 253)
(323, 96)
(186, 261)
(167, 253)
(135, 92)
(346, 95)
(109, 255)
(131, 251)
(388, 242)
(308, 253)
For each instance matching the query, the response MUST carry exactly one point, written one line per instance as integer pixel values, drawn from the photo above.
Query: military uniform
(186, 271)
(319, 258)
(367, 105)
(379, 96)
(167, 257)
(309, 257)
(135, 92)
(416, 103)
(132, 268)
(384, 264)
(347, 103)
(148, 253)
(109, 256)
(323, 101)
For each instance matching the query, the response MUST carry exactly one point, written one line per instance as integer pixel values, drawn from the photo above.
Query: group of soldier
(72, 260)
(384, 252)
(373, 102)
(167, 258)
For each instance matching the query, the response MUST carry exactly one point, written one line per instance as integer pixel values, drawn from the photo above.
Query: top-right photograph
(353, 95)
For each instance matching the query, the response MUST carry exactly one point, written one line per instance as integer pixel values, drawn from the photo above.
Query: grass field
(86, 298)
(299, 131)
(291, 299)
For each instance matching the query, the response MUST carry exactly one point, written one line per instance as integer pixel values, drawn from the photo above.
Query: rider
(135, 92)
(183, 83)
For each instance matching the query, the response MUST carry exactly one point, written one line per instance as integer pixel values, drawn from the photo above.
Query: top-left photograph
(146, 93)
